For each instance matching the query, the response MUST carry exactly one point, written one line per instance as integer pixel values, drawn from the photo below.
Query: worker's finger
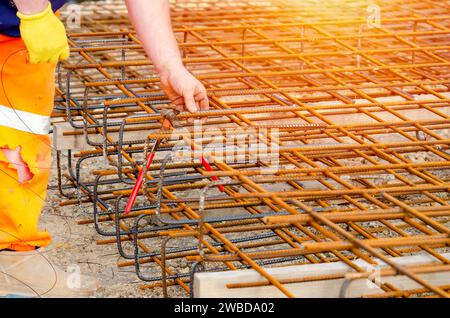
(204, 103)
(178, 99)
(65, 53)
(179, 107)
(189, 102)
(202, 100)
(177, 103)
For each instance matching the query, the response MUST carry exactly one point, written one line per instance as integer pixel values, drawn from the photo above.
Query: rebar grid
(361, 116)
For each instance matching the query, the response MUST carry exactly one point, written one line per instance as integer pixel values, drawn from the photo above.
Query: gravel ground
(75, 245)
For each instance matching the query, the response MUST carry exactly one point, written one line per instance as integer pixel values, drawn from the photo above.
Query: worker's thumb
(189, 102)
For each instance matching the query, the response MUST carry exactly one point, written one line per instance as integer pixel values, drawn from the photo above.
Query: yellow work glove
(44, 36)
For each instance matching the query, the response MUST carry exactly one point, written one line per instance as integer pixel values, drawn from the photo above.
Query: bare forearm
(31, 6)
(151, 19)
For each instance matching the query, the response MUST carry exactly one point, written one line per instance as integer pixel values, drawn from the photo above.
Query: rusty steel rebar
(330, 137)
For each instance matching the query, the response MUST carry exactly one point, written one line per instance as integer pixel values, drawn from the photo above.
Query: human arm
(152, 22)
(30, 7)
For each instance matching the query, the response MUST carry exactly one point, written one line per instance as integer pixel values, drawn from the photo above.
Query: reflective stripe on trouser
(27, 90)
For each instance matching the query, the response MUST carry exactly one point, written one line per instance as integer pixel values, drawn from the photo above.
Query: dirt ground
(75, 245)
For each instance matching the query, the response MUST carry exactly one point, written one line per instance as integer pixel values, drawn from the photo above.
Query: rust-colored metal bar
(330, 138)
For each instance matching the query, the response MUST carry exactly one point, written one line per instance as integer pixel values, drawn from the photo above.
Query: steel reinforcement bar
(328, 131)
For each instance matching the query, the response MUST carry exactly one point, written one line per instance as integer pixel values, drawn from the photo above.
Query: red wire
(140, 180)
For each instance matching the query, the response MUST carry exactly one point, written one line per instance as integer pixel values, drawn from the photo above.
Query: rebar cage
(354, 110)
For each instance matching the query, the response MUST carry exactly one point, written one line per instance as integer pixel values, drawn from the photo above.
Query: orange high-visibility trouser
(27, 88)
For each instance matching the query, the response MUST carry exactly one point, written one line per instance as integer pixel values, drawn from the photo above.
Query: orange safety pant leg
(28, 88)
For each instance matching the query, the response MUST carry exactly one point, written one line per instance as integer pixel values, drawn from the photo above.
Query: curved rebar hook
(118, 231)
(95, 201)
(68, 99)
(164, 243)
(120, 143)
(105, 132)
(201, 211)
(59, 177)
(137, 257)
(196, 266)
(137, 264)
(164, 162)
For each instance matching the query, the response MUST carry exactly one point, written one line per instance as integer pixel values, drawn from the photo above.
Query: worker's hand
(44, 36)
(183, 89)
